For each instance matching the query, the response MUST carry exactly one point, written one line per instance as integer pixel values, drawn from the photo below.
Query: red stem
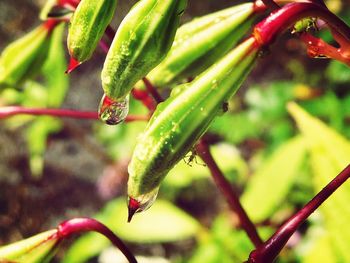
(9, 111)
(152, 90)
(230, 195)
(145, 98)
(110, 33)
(267, 30)
(271, 4)
(80, 225)
(272, 247)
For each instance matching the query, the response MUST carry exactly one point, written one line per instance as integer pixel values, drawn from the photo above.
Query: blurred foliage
(276, 165)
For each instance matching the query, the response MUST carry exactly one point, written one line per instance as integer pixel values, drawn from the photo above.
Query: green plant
(147, 58)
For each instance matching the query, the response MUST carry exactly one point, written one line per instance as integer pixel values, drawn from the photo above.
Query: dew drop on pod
(181, 120)
(201, 42)
(87, 27)
(142, 40)
(24, 58)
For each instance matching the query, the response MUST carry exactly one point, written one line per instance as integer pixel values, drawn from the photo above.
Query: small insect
(192, 156)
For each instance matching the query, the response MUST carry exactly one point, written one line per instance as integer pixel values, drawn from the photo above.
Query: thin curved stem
(80, 225)
(272, 247)
(267, 30)
(6, 112)
(229, 194)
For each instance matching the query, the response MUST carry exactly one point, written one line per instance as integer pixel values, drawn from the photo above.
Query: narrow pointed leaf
(330, 153)
(270, 184)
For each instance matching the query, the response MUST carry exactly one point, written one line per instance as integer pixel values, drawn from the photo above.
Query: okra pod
(201, 42)
(141, 42)
(87, 27)
(181, 120)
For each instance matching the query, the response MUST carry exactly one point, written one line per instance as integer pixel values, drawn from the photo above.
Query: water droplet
(113, 112)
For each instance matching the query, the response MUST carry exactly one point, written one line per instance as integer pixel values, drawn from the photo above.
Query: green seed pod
(180, 121)
(201, 42)
(87, 27)
(38, 248)
(141, 42)
(25, 57)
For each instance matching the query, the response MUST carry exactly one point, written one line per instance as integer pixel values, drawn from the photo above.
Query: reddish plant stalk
(152, 90)
(80, 225)
(271, 4)
(9, 111)
(267, 30)
(231, 197)
(272, 247)
(110, 33)
(145, 98)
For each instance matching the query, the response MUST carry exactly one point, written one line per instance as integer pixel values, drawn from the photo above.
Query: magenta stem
(228, 192)
(9, 111)
(271, 4)
(272, 247)
(268, 29)
(152, 90)
(110, 33)
(80, 225)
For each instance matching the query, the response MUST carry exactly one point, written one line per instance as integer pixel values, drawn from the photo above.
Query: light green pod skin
(24, 58)
(180, 121)
(36, 249)
(87, 27)
(201, 42)
(143, 39)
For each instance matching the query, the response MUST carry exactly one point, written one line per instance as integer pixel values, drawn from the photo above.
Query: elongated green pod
(180, 121)
(24, 58)
(87, 27)
(36, 249)
(141, 42)
(201, 42)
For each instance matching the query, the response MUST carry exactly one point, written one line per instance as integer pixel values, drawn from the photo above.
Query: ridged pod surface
(180, 121)
(201, 42)
(87, 27)
(141, 42)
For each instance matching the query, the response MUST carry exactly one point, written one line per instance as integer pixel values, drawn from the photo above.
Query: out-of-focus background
(81, 171)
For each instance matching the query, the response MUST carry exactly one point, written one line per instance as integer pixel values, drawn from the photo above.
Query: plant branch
(152, 90)
(272, 247)
(80, 225)
(271, 4)
(226, 189)
(267, 30)
(9, 111)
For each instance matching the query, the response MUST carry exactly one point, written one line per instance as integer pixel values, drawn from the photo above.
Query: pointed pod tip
(133, 207)
(73, 64)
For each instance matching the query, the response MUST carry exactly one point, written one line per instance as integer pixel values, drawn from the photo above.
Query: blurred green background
(276, 158)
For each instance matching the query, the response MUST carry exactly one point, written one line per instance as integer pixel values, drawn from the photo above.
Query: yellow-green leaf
(271, 183)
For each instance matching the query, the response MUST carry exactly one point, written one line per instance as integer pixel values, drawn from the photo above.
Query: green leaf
(162, 223)
(321, 136)
(271, 183)
(329, 155)
(319, 249)
(338, 72)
